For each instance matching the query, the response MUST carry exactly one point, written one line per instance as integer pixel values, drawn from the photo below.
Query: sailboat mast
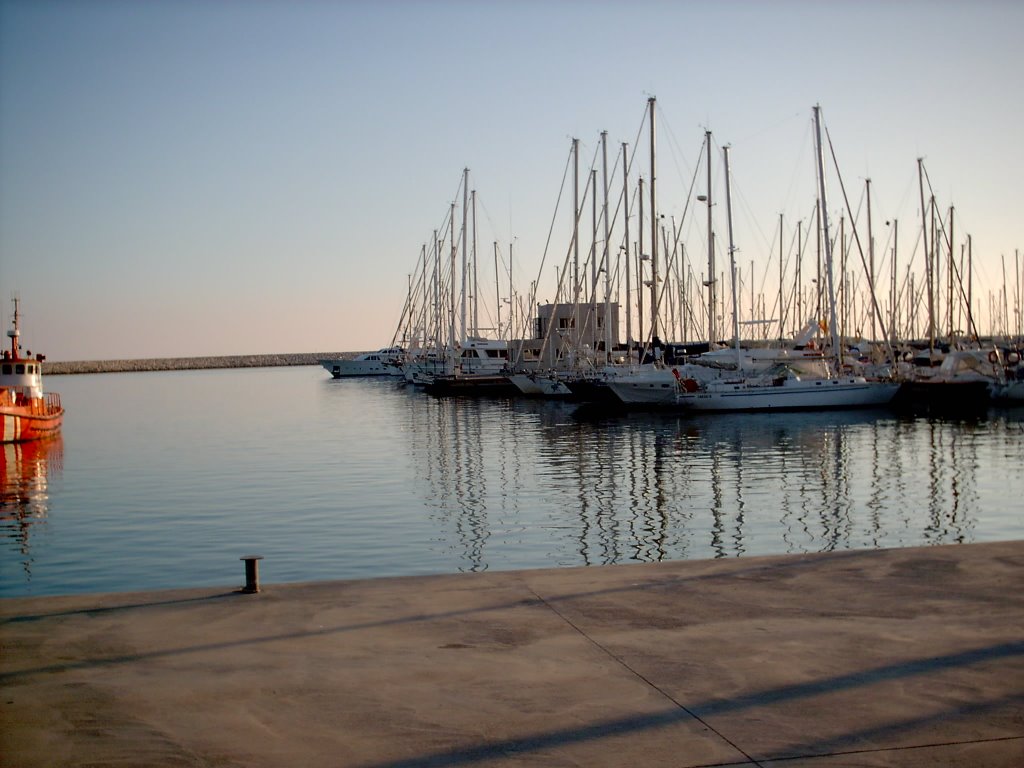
(927, 252)
(799, 272)
(823, 208)
(465, 253)
(654, 230)
(437, 293)
(590, 323)
(934, 286)
(892, 291)
(732, 260)
(1017, 293)
(452, 339)
(575, 236)
(817, 265)
(1006, 305)
(952, 269)
(640, 268)
(753, 309)
(476, 286)
(511, 294)
(607, 264)
(625, 205)
(497, 288)
(712, 300)
(842, 304)
(871, 262)
(782, 280)
(592, 296)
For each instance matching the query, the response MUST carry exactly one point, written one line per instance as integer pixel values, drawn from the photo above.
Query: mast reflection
(526, 483)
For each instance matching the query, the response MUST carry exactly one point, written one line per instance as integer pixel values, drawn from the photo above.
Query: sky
(186, 178)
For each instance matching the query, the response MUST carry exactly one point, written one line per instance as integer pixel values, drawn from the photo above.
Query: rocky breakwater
(186, 363)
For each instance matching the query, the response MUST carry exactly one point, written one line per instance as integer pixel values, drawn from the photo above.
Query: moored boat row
(697, 386)
(574, 349)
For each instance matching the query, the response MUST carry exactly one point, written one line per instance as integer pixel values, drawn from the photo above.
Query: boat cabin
(23, 375)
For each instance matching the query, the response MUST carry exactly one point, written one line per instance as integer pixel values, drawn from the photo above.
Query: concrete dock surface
(907, 657)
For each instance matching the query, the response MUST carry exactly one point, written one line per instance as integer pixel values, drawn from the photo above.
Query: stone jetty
(189, 363)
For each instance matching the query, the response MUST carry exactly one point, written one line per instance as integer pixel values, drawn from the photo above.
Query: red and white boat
(26, 412)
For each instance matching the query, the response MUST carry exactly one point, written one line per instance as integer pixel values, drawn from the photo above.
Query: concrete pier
(910, 657)
(60, 368)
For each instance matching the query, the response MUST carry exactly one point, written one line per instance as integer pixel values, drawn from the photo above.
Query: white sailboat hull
(790, 394)
(534, 385)
(658, 386)
(649, 388)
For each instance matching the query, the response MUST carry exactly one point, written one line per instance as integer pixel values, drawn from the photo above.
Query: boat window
(19, 368)
(7, 370)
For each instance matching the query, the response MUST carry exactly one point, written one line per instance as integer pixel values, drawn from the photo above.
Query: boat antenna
(15, 332)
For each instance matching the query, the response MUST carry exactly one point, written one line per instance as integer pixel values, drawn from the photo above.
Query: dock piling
(252, 573)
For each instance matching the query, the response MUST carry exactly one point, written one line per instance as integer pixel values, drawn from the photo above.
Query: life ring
(690, 385)
(993, 356)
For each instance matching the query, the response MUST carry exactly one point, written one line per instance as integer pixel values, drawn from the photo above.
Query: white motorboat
(474, 356)
(383, 362)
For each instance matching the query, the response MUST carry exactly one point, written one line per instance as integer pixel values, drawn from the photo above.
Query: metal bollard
(252, 573)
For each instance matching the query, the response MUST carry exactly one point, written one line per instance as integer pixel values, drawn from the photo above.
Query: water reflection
(360, 479)
(25, 471)
(466, 468)
(651, 487)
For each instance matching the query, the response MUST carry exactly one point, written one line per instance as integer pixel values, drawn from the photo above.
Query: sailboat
(782, 387)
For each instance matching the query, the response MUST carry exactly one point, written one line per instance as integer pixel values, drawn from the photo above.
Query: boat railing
(20, 396)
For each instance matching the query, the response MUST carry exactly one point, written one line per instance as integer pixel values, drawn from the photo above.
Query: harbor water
(165, 479)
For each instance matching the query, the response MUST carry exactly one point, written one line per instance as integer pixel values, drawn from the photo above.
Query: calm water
(166, 479)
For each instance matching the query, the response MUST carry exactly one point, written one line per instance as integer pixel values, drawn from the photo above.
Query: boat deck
(909, 657)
